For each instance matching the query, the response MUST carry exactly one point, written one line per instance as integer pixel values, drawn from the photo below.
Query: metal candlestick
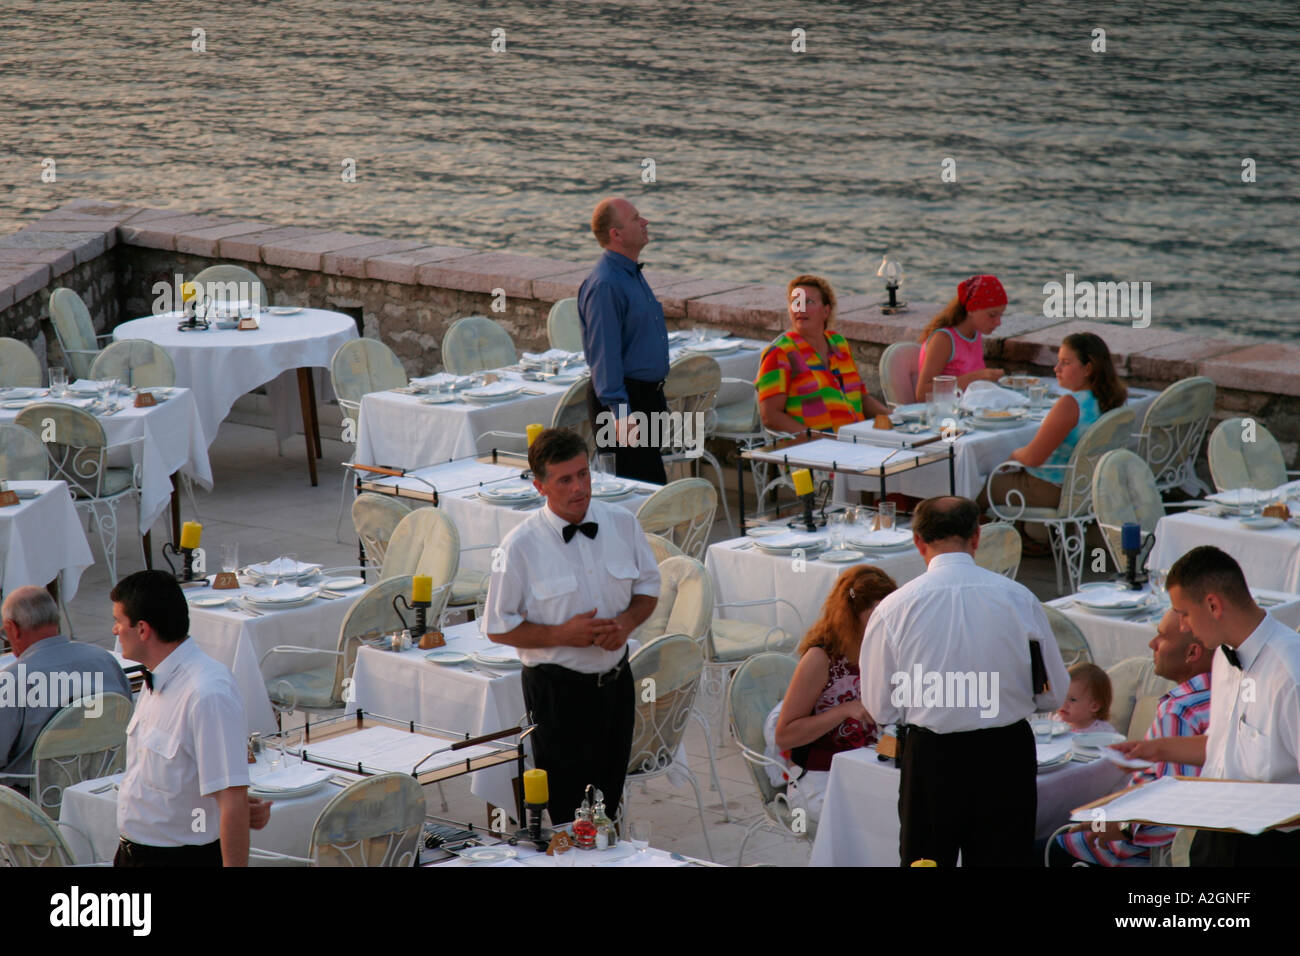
(186, 575)
(420, 608)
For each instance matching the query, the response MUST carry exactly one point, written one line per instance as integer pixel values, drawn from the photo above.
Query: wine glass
(58, 381)
(888, 512)
(230, 557)
(836, 527)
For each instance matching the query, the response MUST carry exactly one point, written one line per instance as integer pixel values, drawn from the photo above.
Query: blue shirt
(623, 329)
(1089, 412)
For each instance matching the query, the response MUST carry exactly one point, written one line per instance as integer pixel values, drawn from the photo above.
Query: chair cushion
(737, 640)
(116, 481)
(467, 587)
(312, 688)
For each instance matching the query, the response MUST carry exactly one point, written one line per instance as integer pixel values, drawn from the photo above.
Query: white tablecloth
(859, 821)
(1269, 559)
(173, 442)
(742, 572)
(41, 537)
(405, 686)
(221, 365)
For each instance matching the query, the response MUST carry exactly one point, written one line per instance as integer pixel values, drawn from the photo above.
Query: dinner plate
(496, 392)
(1094, 742)
(1056, 763)
(1103, 598)
(211, 601)
(1262, 523)
(498, 655)
(763, 532)
(20, 392)
(277, 605)
(15, 404)
(342, 584)
(716, 347)
(996, 424)
(441, 399)
(284, 309)
(1019, 382)
(788, 549)
(998, 414)
(610, 489)
(488, 854)
(444, 656)
(886, 540)
(842, 556)
(513, 496)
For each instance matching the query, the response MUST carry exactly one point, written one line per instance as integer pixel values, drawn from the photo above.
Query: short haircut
(946, 516)
(1098, 683)
(602, 221)
(821, 285)
(554, 445)
(154, 596)
(30, 608)
(1207, 570)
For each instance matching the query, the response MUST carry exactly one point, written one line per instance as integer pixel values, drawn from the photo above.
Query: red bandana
(981, 292)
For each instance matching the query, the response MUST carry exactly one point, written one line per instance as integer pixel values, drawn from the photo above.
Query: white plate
(996, 424)
(488, 854)
(497, 392)
(788, 549)
(511, 496)
(16, 404)
(1261, 523)
(443, 656)
(284, 309)
(880, 540)
(255, 791)
(763, 532)
(841, 557)
(438, 399)
(1020, 383)
(610, 489)
(281, 594)
(1101, 598)
(498, 655)
(988, 415)
(342, 584)
(278, 605)
(211, 601)
(21, 392)
(1096, 741)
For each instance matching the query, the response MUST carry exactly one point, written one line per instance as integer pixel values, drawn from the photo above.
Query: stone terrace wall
(408, 293)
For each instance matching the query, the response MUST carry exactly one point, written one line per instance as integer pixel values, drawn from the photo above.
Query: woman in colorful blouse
(953, 342)
(807, 377)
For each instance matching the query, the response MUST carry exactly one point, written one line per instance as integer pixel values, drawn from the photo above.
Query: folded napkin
(550, 355)
(790, 539)
(496, 388)
(1242, 496)
(1110, 597)
(989, 397)
(280, 594)
(89, 385)
(282, 566)
(441, 378)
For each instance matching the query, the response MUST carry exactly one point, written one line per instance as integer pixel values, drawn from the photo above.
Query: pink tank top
(967, 356)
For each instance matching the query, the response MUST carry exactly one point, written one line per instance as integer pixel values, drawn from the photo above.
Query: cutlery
(248, 610)
(105, 788)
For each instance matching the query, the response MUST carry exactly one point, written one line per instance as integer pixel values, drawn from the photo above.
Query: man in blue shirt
(625, 340)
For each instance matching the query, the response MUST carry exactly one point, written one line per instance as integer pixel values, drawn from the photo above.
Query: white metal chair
(572, 413)
(736, 420)
(27, 836)
(427, 541)
(731, 642)
(1068, 522)
(669, 667)
(1135, 695)
(228, 283)
(1244, 454)
(358, 368)
(142, 363)
(681, 511)
(75, 331)
(476, 344)
(663, 548)
(374, 822)
(1172, 431)
(78, 451)
(1124, 490)
(375, 517)
(900, 367)
(22, 455)
(759, 684)
(691, 391)
(563, 327)
(999, 549)
(19, 366)
(1069, 639)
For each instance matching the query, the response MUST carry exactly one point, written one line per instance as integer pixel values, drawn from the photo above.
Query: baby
(1087, 702)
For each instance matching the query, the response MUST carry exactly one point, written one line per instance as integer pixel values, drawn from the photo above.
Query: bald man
(625, 340)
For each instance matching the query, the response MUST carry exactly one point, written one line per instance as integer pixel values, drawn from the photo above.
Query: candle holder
(1131, 544)
(186, 575)
(533, 832)
(420, 608)
(192, 321)
(809, 521)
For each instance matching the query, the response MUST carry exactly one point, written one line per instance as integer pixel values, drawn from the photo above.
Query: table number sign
(248, 323)
(8, 498)
(561, 842)
(224, 581)
(145, 400)
(432, 639)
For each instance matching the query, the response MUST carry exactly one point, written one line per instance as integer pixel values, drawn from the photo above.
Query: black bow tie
(587, 527)
(1231, 656)
(148, 678)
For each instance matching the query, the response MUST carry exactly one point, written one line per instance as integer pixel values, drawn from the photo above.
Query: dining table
(42, 538)
(1269, 555)
(221, 364)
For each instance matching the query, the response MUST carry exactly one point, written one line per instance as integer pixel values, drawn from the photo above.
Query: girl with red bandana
(954, 339)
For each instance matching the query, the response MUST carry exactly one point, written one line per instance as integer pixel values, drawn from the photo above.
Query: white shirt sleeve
(220, 743)
(648, 580)
(504, 610)
(877, 663)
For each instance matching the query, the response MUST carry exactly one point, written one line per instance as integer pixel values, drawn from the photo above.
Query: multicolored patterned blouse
(820, 397)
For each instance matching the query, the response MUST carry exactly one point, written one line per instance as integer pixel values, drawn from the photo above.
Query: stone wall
(407, 293)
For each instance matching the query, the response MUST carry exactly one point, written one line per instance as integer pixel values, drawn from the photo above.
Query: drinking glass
(836, 525)
(1042, 724)
(1037, 395)
(638, 834)
(230, 557)
(604, 465)
(286, 566)
(888, 511)
(862, 517)
(1157, 579)
(58, 380)
(931, 410)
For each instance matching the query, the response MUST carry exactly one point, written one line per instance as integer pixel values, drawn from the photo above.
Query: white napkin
(89, 385)
(987, 396)
(879, 539)
(282, 566)
(441, 378)
(1242, 496)
(1053, 749)
(286, 778)
(789, 539)
(496, 388)
(1110, 597)
(550, 355)
(280, 594)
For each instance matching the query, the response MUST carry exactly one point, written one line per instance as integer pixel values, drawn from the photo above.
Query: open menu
(380, 749)
(1245, 807)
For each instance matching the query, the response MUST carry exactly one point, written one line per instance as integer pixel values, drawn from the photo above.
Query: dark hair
(1207, 570)
(552, 446)
(855, 590)
(1091, 350)
(946, 516)
(154, 596)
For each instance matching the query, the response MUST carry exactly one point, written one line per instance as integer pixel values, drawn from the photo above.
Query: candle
(188, 291)
(1131, 536)
(421, 589)
(533, 432)
(191, 532)
(803, 483)
(536, 790)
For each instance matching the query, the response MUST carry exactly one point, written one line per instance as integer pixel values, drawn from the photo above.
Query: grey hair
(31, 607)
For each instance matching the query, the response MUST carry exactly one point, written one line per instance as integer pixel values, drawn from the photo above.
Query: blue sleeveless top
(1089, 412)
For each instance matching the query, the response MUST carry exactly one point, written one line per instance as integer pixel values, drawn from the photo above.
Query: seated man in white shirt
(1254, 731)
(571, 583)
(183, 800)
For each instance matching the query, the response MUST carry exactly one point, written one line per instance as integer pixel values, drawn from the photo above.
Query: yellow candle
(803, 483)
(188, 291)
(924, 863)
(421, 589)
(533, 432)
(536, 789)
(191, 532)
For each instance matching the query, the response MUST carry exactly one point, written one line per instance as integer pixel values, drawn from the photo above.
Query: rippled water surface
(1125, 165)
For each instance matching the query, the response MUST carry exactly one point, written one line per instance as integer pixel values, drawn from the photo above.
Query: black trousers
(1271, 848)
(583, 735)
(974, 792)
(140, 854)
(641, 463)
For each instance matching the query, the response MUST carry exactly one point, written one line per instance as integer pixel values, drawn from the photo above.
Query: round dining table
(220, 365)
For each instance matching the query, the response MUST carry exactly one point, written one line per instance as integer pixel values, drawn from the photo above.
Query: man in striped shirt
(1183, 712)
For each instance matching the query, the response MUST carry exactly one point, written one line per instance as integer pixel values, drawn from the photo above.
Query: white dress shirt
(957, 620)
(543, 580)
(187, 741)
(1255, 711)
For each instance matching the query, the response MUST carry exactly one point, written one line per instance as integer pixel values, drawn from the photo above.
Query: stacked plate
(881, 542)
(282, 568)
(998, 418)
(279, 598)
(284, 782)
(1054, 755)
(441, 380)
(540, 359)
(1089, 746)
(1021, 383)
(713, 346)
(787, 542)
(910, 413)
(610, 489)
(1111, 600)
(509, 494)
(1237, 498)
(496, 392)
(498, 655)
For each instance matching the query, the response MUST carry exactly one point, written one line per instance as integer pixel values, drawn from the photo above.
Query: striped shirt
(821, 397)
(1183, 712)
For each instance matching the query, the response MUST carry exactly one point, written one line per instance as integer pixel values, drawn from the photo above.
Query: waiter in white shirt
(183, 800)
(571, 583)
(948, 657)
(1254, 701)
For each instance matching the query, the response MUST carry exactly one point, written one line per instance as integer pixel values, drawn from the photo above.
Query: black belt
(576, 677)
(130, 853)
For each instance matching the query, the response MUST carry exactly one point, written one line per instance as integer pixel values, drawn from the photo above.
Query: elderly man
(1254, 731)
(49, 673)
(625, 340)
(948, 658)
(1183, 712)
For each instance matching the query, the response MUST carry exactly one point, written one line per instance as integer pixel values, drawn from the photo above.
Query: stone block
(59, 260)
(1039, 347)
(352, 261)
(673, 290)
(160, 233)
(402, 266)
(752, 306)
(563, 286)
(206, 241)
(24, 280)
(487, 271)
(305, 252)
(1272, 368)
(1181, 359)
(251, 246)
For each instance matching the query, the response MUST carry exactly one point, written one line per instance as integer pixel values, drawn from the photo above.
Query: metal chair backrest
(563, 327)
(27, 836)
(227, 283)
(574, 413)
(74, 330)
(1069, 639)
(22, 455)
(1173, 429)
(1236, 462)
(673, 663)
(1136, 692)
(685, 604)
(690, 391)
(372, 615)
(999, 549)
(76, 446)
(682, 511)
(425, 542)
(1107, 433)
(900, 367)
(362, 366)
(662, 548)
(142, 363)
(476, 344)
(375, 517)
(1123, 490)
(84, 741)
(755, 688)
(375, 822)
(19, 366)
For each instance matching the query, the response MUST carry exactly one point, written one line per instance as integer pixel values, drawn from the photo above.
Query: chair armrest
(256, 853)
(295, 649)
(1015, 499)
(83, 351)
(759, 601)
(104, 337)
